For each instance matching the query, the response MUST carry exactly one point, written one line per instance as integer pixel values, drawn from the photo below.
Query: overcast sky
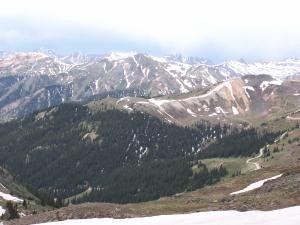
(215, 29)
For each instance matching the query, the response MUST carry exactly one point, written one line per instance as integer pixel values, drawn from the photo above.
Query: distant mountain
(32, 81)
(277, 69)
(188, 59)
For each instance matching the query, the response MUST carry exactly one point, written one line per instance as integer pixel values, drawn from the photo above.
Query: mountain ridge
(33, 81)
(249, 95)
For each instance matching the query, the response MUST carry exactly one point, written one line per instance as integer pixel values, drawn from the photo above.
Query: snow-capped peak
(120, 55)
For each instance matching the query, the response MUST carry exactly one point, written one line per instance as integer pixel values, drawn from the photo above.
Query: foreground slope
(279, 193)
(276, 217)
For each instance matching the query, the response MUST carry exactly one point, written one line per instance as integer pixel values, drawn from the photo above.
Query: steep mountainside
(239, 97)
(32, 81)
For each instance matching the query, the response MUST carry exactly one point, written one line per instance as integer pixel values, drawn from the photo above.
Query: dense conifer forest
(239, 143)
(116, 156)
(116, 94)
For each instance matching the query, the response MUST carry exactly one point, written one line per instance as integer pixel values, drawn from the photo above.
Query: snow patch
(158, 102)
(9, 197)
(182, 88)
(137, 64)
(191, 112)
(123, 99)
(235, 110)
(97, 84)
(219, 110)
(212, 114)
(211, 79)
(104, 67)
(177, 70)
(188, 83)
(265, 84)
(127, 107)
(250, 88)
(203, 83)
(2, 211)
(255, 185)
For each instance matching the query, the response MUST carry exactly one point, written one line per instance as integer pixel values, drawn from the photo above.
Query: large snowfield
(287, 216)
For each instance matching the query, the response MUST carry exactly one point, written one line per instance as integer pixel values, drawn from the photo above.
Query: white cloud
(182, 25)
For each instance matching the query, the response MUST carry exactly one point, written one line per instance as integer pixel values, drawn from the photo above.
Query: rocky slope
(249, 95)
(32, 81)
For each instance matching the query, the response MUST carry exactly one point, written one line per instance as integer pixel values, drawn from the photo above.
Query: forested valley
(115, 156)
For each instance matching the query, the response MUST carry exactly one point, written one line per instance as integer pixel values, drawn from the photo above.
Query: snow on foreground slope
(286, 216)
(255, 185)
(9, 197)
(2, 211)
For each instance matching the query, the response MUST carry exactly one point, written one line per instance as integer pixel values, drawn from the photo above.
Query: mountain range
(37, 80)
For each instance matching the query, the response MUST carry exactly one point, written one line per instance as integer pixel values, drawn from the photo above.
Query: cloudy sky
(215, 29)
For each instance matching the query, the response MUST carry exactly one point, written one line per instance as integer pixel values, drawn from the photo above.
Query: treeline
(239, 143)
(116, 94)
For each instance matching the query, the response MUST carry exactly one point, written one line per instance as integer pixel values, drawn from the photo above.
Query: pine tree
(24, 204)
(12, 210)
